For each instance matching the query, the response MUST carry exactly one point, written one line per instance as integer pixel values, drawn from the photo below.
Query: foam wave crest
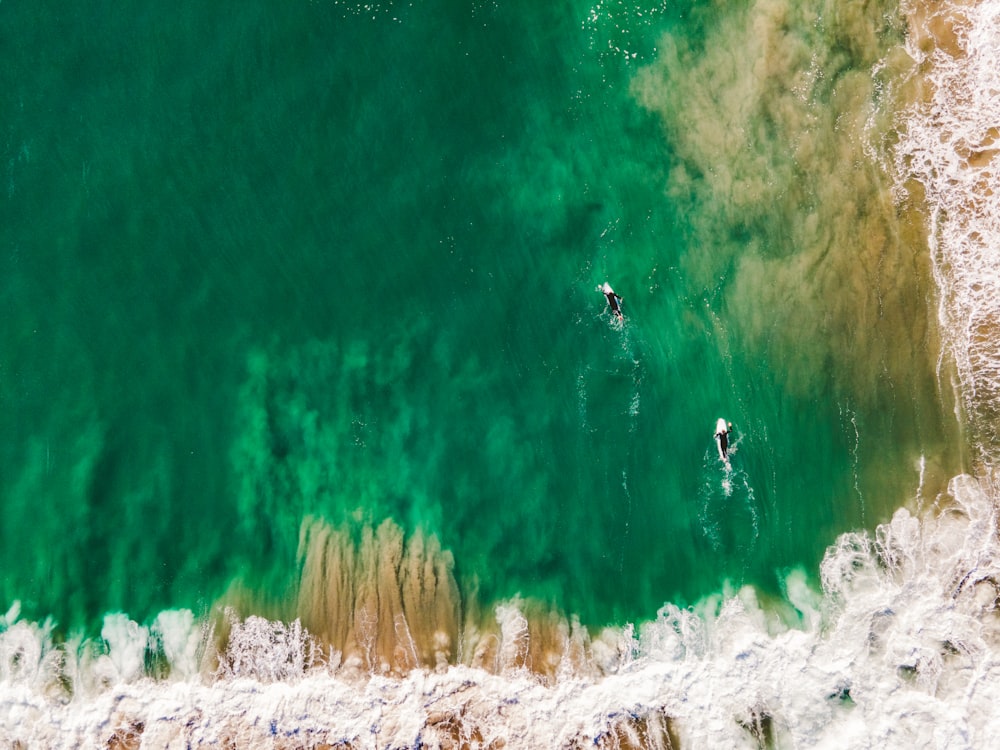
(949, 147)
(901, 648)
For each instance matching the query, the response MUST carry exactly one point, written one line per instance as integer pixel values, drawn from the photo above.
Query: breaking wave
(949, 149)
(898, 651)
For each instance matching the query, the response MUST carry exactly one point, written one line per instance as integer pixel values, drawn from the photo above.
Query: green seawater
(260, 263)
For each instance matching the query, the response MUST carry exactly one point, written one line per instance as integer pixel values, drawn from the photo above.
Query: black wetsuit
(614, 301)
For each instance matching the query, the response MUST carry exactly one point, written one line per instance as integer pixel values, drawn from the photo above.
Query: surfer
(614, 301)
(722, 430)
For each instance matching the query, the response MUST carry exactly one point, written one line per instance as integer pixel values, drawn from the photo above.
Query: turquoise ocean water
(338, 260)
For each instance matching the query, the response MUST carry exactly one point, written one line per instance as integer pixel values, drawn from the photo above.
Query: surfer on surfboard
(614, 301)
(722, 430)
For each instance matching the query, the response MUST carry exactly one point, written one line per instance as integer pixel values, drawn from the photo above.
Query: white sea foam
(949, 147)
(180, 640)
(900, 652)
(901, 649)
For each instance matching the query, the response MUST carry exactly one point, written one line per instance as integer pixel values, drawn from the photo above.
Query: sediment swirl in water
(783, 125)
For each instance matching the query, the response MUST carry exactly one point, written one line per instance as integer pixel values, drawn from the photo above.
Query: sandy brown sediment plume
(383, 603)
(373, 600)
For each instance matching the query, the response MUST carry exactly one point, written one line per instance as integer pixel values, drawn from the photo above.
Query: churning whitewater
(380, 646)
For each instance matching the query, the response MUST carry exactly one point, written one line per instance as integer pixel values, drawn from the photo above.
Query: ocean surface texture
(318, 431)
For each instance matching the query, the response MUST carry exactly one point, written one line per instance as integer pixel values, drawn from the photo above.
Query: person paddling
(614, 301)
(722, 430)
